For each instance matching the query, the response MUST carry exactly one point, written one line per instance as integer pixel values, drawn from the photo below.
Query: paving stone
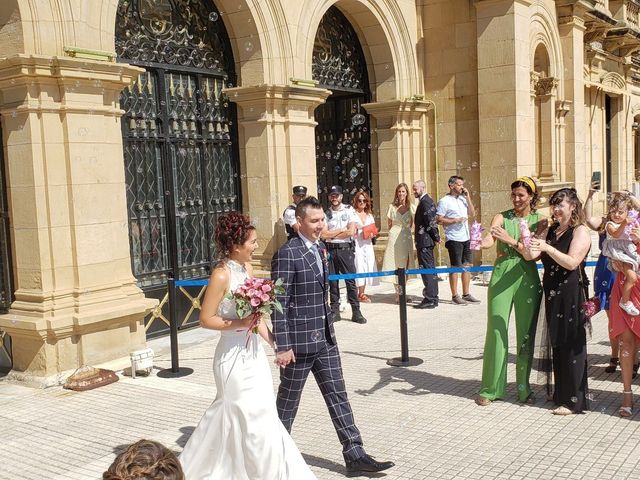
(423, 417)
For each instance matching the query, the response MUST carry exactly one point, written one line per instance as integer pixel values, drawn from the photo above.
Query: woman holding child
(624, 326)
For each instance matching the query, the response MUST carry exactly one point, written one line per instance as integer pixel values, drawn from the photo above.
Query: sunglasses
(361, 200)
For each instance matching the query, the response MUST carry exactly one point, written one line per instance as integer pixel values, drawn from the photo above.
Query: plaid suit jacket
(305, 324)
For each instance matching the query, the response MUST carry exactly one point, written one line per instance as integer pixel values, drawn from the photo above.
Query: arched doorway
(343, 137)
(6, 276)
(179, 138)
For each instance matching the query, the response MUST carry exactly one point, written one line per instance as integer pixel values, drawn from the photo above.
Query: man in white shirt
(339, 235)
(289, 215)
(453, 213)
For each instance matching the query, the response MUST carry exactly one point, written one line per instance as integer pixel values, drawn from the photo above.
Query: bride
(240, 436)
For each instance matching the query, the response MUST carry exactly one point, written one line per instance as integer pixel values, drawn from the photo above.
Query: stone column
(76, 301)
(403, 150)
(506, 145)
(277, 134)
(572, 29)
(507, 141)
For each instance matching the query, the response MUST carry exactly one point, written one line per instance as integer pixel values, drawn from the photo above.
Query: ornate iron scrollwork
(338, 61)
(187, 33)
(181, 162)
(343, 136)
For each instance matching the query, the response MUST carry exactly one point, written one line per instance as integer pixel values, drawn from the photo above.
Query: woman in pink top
(626, 329)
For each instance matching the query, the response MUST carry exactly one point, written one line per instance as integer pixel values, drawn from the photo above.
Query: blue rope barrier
(386, 273)
(192, 283)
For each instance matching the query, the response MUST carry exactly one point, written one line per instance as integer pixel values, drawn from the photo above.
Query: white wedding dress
(240, 436)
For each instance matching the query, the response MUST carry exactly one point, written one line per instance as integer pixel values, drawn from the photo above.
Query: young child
(620, 248)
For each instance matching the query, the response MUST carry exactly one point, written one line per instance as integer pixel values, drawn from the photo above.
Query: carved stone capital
(535, 78)
(546, 86)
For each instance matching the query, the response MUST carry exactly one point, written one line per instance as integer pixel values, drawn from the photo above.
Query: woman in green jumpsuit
(514, 284)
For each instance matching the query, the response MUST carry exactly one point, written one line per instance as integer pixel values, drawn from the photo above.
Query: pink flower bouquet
(475, 234)
(257, 296)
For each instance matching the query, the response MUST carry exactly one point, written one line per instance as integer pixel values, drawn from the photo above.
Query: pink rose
(266, 288)
(265, 297)
(255, 301)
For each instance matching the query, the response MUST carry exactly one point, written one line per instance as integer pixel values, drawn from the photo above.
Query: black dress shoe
(357, 317)
(426, 304)
(367, 463)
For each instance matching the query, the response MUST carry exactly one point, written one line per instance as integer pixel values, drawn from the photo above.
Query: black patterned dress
(564, 296)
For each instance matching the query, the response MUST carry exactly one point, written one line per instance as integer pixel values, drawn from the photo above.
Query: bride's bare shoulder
(220, 274)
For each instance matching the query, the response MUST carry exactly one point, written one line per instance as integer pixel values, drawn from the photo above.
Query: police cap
(300, 190)
(335, 189)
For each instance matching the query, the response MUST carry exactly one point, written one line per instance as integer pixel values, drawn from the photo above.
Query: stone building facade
(128, 126)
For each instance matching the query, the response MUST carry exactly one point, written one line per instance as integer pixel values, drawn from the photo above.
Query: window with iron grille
(180, 142)
(343, 136)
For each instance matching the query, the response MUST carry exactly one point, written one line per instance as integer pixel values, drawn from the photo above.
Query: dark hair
(146, 460)
(571, 196)
(232, 229)
(453, 179)
(368, 208)
(305, 204)
(535, 195)
(396, 200)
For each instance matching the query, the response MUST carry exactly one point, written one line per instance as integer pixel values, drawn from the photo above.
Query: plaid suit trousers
(327, 369)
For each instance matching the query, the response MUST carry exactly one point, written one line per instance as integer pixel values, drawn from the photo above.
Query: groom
(304, 335)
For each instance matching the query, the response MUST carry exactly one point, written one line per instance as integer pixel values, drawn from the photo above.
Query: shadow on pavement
(186, 434)
(412, 382)
(420, 383)
(338, 467)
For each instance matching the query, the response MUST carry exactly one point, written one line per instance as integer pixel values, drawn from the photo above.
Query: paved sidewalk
(423, 418)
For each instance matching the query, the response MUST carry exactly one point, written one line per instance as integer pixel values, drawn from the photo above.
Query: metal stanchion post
(175, 370)
(173, 326)
(404, 360)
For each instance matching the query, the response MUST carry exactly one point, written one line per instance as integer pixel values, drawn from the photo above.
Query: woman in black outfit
(562, 251)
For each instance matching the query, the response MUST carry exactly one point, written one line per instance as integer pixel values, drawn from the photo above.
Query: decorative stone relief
(546, 86)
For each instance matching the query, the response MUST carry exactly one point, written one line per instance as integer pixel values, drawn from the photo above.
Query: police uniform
(289, 218)
(342, 257)
(289, 214)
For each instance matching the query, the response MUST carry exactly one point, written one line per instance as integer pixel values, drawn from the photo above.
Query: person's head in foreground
(145, 460)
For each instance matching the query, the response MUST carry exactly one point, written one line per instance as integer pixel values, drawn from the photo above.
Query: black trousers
(342, 261)
(430, 281)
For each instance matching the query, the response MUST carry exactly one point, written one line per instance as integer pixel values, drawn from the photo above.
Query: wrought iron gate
(180, 142)
(343, 136)
(6, 276)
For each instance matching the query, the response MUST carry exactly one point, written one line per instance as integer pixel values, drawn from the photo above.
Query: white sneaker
(630, 308)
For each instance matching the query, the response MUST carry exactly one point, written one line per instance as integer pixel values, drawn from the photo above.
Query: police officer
(338, 236)
(289, 215)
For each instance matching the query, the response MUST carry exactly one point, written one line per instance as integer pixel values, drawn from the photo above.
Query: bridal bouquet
(257, 296)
